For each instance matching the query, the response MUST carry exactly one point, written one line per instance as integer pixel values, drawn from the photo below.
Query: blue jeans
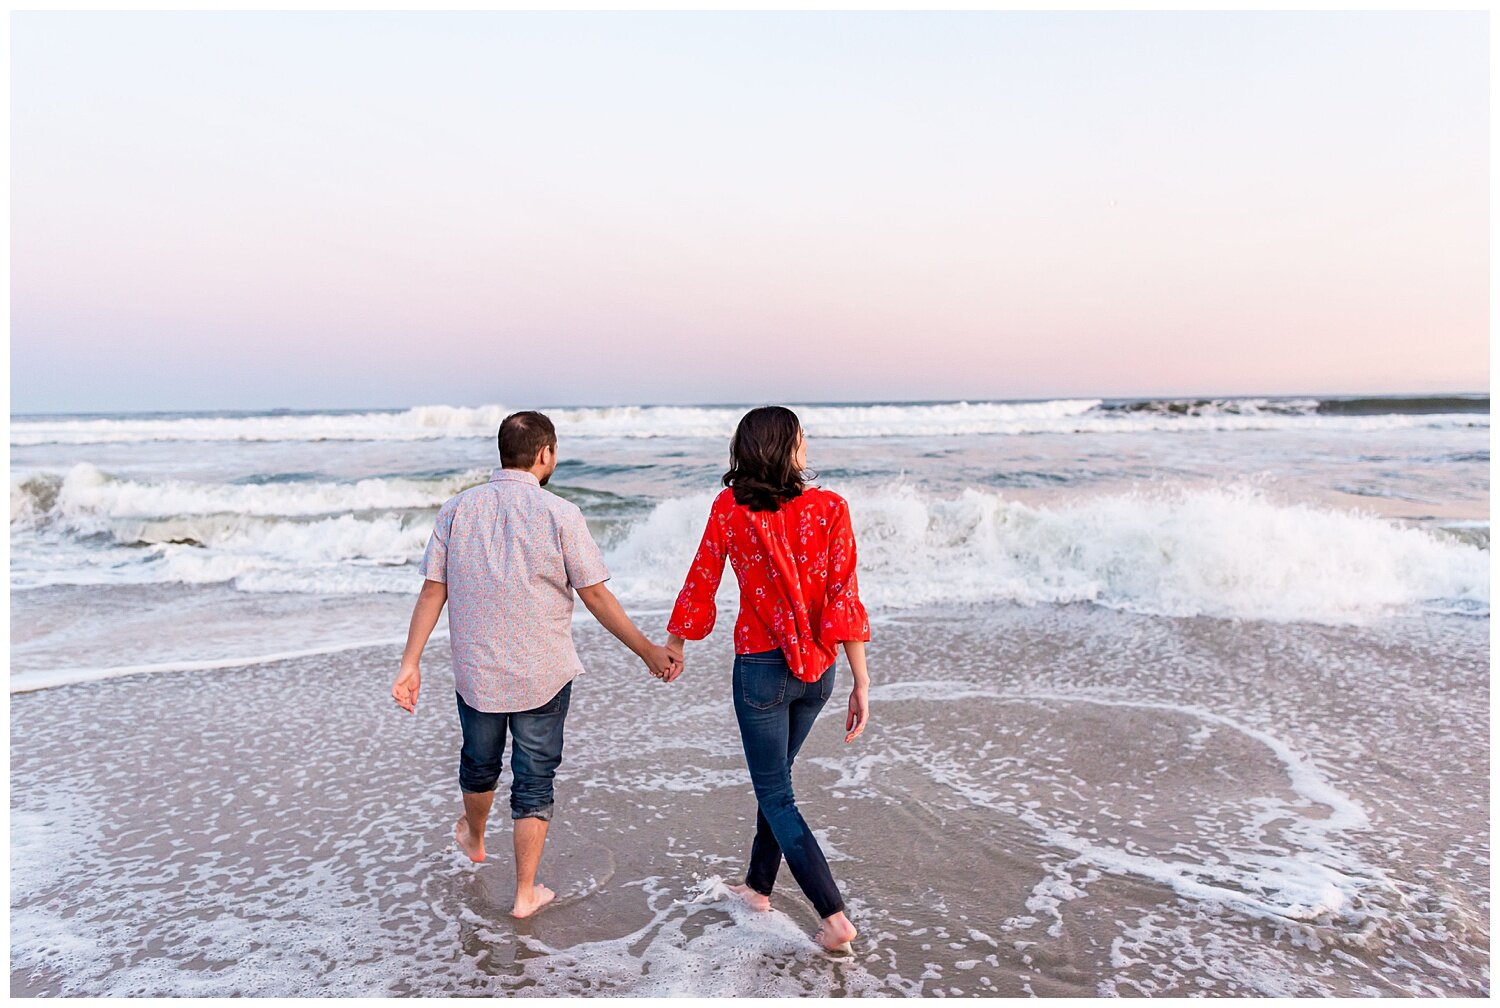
(535, 752)
(776, 710)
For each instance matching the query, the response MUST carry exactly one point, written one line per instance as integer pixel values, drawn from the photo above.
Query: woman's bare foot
(471, 846)
(757, 901)
(529, 904)
(835, 933)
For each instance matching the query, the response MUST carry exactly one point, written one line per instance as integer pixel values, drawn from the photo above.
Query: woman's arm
(844, 615)
(845, 621)
(696, 610)
(854, 650)
(859, 695)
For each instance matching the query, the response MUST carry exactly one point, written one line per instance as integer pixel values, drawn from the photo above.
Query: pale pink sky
(346, 210)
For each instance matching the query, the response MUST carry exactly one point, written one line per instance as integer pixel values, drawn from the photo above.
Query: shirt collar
(519, 475)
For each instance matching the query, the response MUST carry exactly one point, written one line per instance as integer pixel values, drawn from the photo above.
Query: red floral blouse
(795, 566)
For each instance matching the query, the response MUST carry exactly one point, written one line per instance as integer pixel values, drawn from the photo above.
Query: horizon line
(720, 405)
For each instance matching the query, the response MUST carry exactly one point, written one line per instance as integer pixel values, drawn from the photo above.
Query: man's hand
(424, 617)
(663, 663)
(408, 684)
(859, 712)
(606, 609)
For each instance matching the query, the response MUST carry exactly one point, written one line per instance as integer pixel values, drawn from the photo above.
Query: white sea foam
(86, 493)
(1305, 867)
(37, 827)
(331, 556)
(709, 944)
(1229, 552)
(26, 682)
(904, 420)
(189, 565)
(329, 538)
(311, 523)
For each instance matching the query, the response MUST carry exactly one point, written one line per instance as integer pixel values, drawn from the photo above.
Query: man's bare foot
(539, 897)
(835, 933)
(757, 901)
(466, 841)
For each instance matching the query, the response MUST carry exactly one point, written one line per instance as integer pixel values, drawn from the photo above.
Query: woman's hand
(674, 648)
(859, 712)
(859, 696)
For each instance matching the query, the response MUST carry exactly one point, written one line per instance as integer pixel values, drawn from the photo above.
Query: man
(507, 557)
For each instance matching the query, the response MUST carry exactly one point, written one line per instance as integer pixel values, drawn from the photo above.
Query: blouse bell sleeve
(693, 615)
(844, 616)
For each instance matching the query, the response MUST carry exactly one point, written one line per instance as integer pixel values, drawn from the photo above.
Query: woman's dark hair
(762, 472)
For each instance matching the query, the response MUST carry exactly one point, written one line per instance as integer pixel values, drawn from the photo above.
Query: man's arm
(606, 609)
(424, 617)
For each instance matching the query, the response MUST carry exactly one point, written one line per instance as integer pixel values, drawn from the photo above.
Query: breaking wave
(1225, 551)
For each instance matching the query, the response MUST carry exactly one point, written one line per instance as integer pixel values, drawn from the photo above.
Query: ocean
(1171, 696)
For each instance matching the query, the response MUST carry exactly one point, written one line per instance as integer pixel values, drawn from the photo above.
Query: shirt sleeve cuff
(697, 632)
(590, 579)
(851, 623)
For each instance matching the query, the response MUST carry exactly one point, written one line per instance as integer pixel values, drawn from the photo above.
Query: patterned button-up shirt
(511, 554)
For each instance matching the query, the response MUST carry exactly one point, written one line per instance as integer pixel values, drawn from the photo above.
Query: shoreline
(34, 680)
(295, 839)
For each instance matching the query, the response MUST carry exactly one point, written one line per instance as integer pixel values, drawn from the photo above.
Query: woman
(792, 549)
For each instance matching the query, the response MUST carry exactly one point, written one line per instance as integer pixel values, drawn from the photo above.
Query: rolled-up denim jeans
(775, 711)
(535, 752)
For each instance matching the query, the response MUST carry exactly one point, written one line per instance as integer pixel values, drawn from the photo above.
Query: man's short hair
(522, 437)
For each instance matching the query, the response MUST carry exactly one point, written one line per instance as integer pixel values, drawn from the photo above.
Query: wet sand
(1050, 800)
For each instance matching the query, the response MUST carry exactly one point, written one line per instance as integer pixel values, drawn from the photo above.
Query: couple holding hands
(506, 558)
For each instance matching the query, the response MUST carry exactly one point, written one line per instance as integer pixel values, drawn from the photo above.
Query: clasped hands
(664, 661)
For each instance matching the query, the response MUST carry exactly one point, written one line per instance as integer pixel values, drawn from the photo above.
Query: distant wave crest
(1058, 416)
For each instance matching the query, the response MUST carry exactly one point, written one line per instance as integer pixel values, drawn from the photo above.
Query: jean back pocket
(762, 679)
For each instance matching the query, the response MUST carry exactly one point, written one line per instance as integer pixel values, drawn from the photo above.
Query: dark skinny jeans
(775, 711)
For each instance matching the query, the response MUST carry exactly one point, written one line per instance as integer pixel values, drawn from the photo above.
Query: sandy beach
(1051, 800)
